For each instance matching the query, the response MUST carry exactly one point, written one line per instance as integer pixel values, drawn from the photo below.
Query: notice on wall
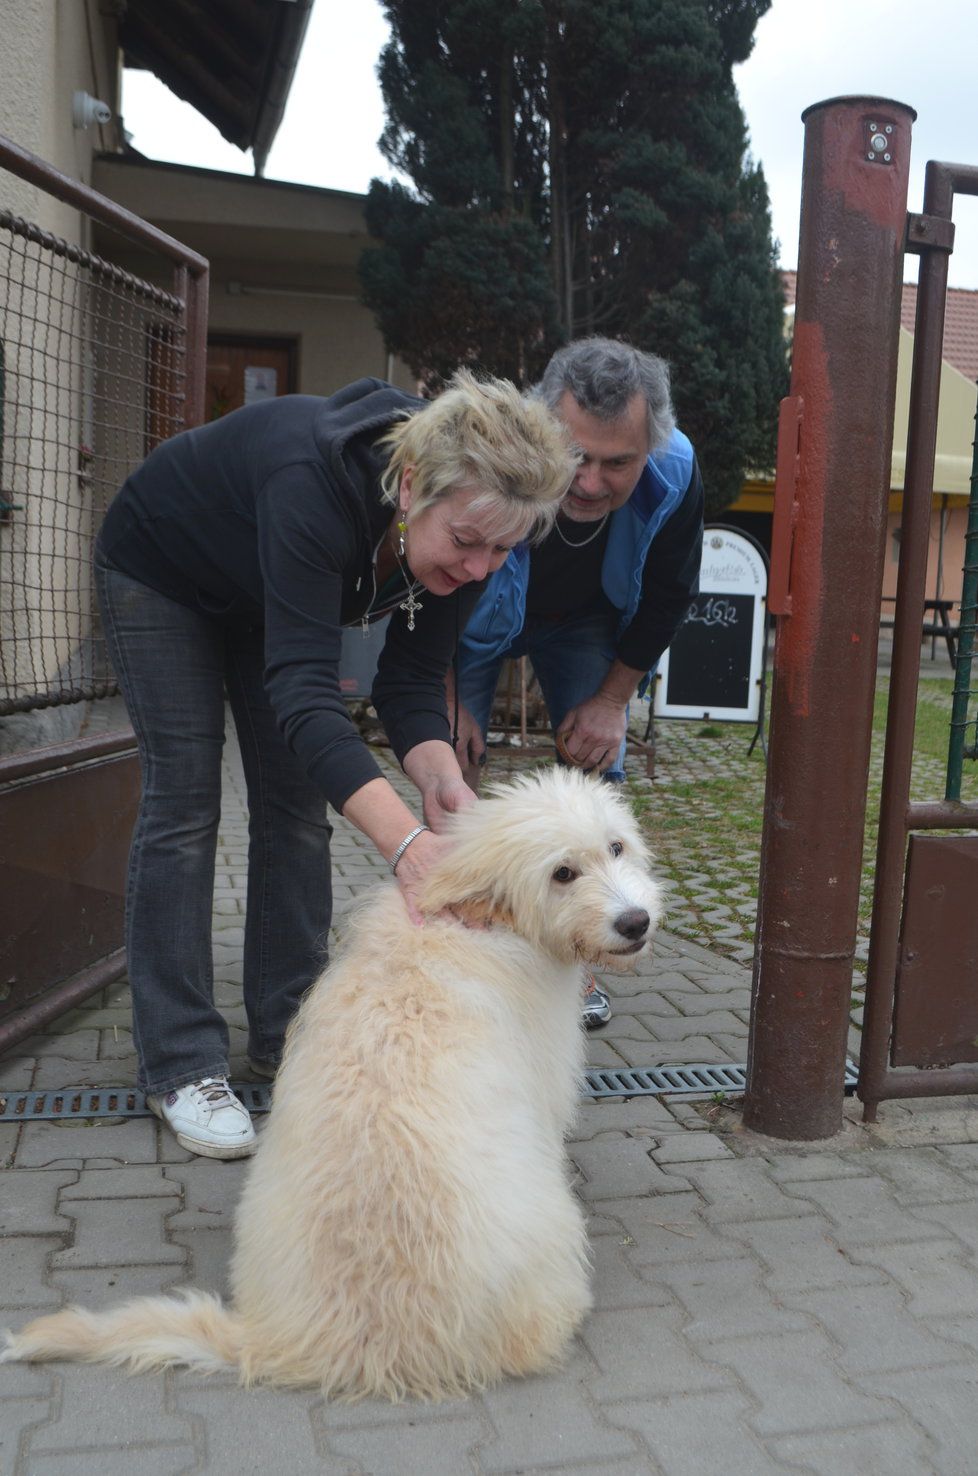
(259, 384)
(714, 667)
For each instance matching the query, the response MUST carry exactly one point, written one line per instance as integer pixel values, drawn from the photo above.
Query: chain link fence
(92, 376)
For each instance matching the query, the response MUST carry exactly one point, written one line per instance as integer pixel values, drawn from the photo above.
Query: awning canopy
(232, 60)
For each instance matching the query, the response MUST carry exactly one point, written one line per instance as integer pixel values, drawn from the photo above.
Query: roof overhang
(233, 61)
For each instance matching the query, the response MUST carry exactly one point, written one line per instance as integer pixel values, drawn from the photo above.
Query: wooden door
(241, 371)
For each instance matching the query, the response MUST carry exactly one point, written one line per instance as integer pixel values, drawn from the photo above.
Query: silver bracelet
(412, 835)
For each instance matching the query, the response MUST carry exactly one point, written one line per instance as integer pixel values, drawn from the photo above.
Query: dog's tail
(148, 1333)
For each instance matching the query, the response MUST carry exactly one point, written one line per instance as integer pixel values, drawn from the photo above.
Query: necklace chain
(583, 542)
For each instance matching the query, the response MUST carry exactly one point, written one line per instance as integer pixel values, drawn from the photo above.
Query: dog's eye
(564, 874)
(616, 848)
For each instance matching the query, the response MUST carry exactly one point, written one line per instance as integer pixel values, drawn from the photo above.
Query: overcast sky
(920, 52)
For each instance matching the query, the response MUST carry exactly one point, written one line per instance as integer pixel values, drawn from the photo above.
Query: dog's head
(559, 859)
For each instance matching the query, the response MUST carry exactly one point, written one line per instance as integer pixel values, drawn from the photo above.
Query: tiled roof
(960, 322)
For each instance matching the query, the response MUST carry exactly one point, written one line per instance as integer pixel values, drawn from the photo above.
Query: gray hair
(603, 375)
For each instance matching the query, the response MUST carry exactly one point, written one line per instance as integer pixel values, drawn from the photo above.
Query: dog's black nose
(632, 924)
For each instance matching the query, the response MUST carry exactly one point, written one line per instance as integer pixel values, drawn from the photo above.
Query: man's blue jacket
(498, 617)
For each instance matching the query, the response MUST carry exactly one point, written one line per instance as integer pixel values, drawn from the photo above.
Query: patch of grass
(704, 815)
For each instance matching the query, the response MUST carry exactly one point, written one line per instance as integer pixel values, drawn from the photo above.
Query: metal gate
(828, 545)
(921, 1022)
(96, 366)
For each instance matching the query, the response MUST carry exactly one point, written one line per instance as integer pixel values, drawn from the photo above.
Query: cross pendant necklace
(409, 606)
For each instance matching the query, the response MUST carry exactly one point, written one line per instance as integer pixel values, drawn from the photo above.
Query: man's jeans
(570, 658)
(173, 667)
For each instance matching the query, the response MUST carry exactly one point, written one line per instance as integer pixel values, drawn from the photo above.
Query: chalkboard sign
(715, 665)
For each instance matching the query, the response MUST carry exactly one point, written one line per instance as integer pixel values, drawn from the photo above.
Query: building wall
(50, 49)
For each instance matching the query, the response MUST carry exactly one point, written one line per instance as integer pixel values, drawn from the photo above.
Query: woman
(232, 560)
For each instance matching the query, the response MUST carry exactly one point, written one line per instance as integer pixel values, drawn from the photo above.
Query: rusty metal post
(831, 495)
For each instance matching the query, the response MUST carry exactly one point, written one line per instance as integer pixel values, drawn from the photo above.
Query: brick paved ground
(760, 1307)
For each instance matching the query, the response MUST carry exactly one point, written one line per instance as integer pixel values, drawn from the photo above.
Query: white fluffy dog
(407, 1225)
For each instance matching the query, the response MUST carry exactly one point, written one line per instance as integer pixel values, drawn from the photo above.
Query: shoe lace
(215, 1090)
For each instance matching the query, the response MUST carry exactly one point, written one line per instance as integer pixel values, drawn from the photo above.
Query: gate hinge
(929, 233)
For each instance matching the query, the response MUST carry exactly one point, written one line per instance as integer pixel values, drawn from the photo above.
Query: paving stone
(874, 1450)
(690, 1148)
(641, 1352)
(799, 1168)
(9, 1139)
(272, 1428)
(961, 1219)
(19, 1418)
(615, 1164)
(678, 1027)
(131, 1459)
(55, 1072)
(64, 1037)
(23, 1267)
(16, 1072)
(937, 1276)
(137, 1182)
(28, 1201)
(117, 1232)
(638, 1000)
(548, 1419)
(796, 1384)
(692, 1434)
(666, 1230)
(208, 1259)
(941, 1402)
(98, 1287)
(645, 1115)
(801, 1255)
(874, 1330)
(436, 1448)
(614, 1281)
(726, 1299)
(742, 1190)
(86, 1144)
(866, 1210)
(210, 1190)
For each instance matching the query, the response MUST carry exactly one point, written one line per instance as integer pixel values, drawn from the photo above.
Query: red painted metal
(931, 235)
(844, 366)
(785, 505)
(935, 1021)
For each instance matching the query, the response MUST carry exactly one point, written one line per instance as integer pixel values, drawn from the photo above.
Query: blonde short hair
(483, 434)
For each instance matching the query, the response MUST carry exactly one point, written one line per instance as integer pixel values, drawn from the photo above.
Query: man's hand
(591, 733)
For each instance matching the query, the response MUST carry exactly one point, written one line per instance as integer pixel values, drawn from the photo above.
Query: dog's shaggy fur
(407, 1225)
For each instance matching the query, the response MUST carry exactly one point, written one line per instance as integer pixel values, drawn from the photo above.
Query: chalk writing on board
(718, 611)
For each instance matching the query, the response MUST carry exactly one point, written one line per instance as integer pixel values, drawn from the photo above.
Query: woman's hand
(448, 796)
(432, 766)
(424, 851)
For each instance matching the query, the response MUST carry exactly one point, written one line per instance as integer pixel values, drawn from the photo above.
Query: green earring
(401, 530)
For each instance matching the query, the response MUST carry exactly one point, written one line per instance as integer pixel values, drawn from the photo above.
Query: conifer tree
(579, 166)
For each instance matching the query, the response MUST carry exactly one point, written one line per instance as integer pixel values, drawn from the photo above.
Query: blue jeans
(570, 657)
(174, 666)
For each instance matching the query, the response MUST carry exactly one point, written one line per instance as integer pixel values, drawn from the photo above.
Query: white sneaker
(207, 1118)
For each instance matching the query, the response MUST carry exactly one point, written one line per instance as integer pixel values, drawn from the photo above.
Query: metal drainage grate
(71, 1104)
(636, 1081)
(671, 1081)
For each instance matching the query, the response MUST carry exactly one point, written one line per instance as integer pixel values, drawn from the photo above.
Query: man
(595, 605)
